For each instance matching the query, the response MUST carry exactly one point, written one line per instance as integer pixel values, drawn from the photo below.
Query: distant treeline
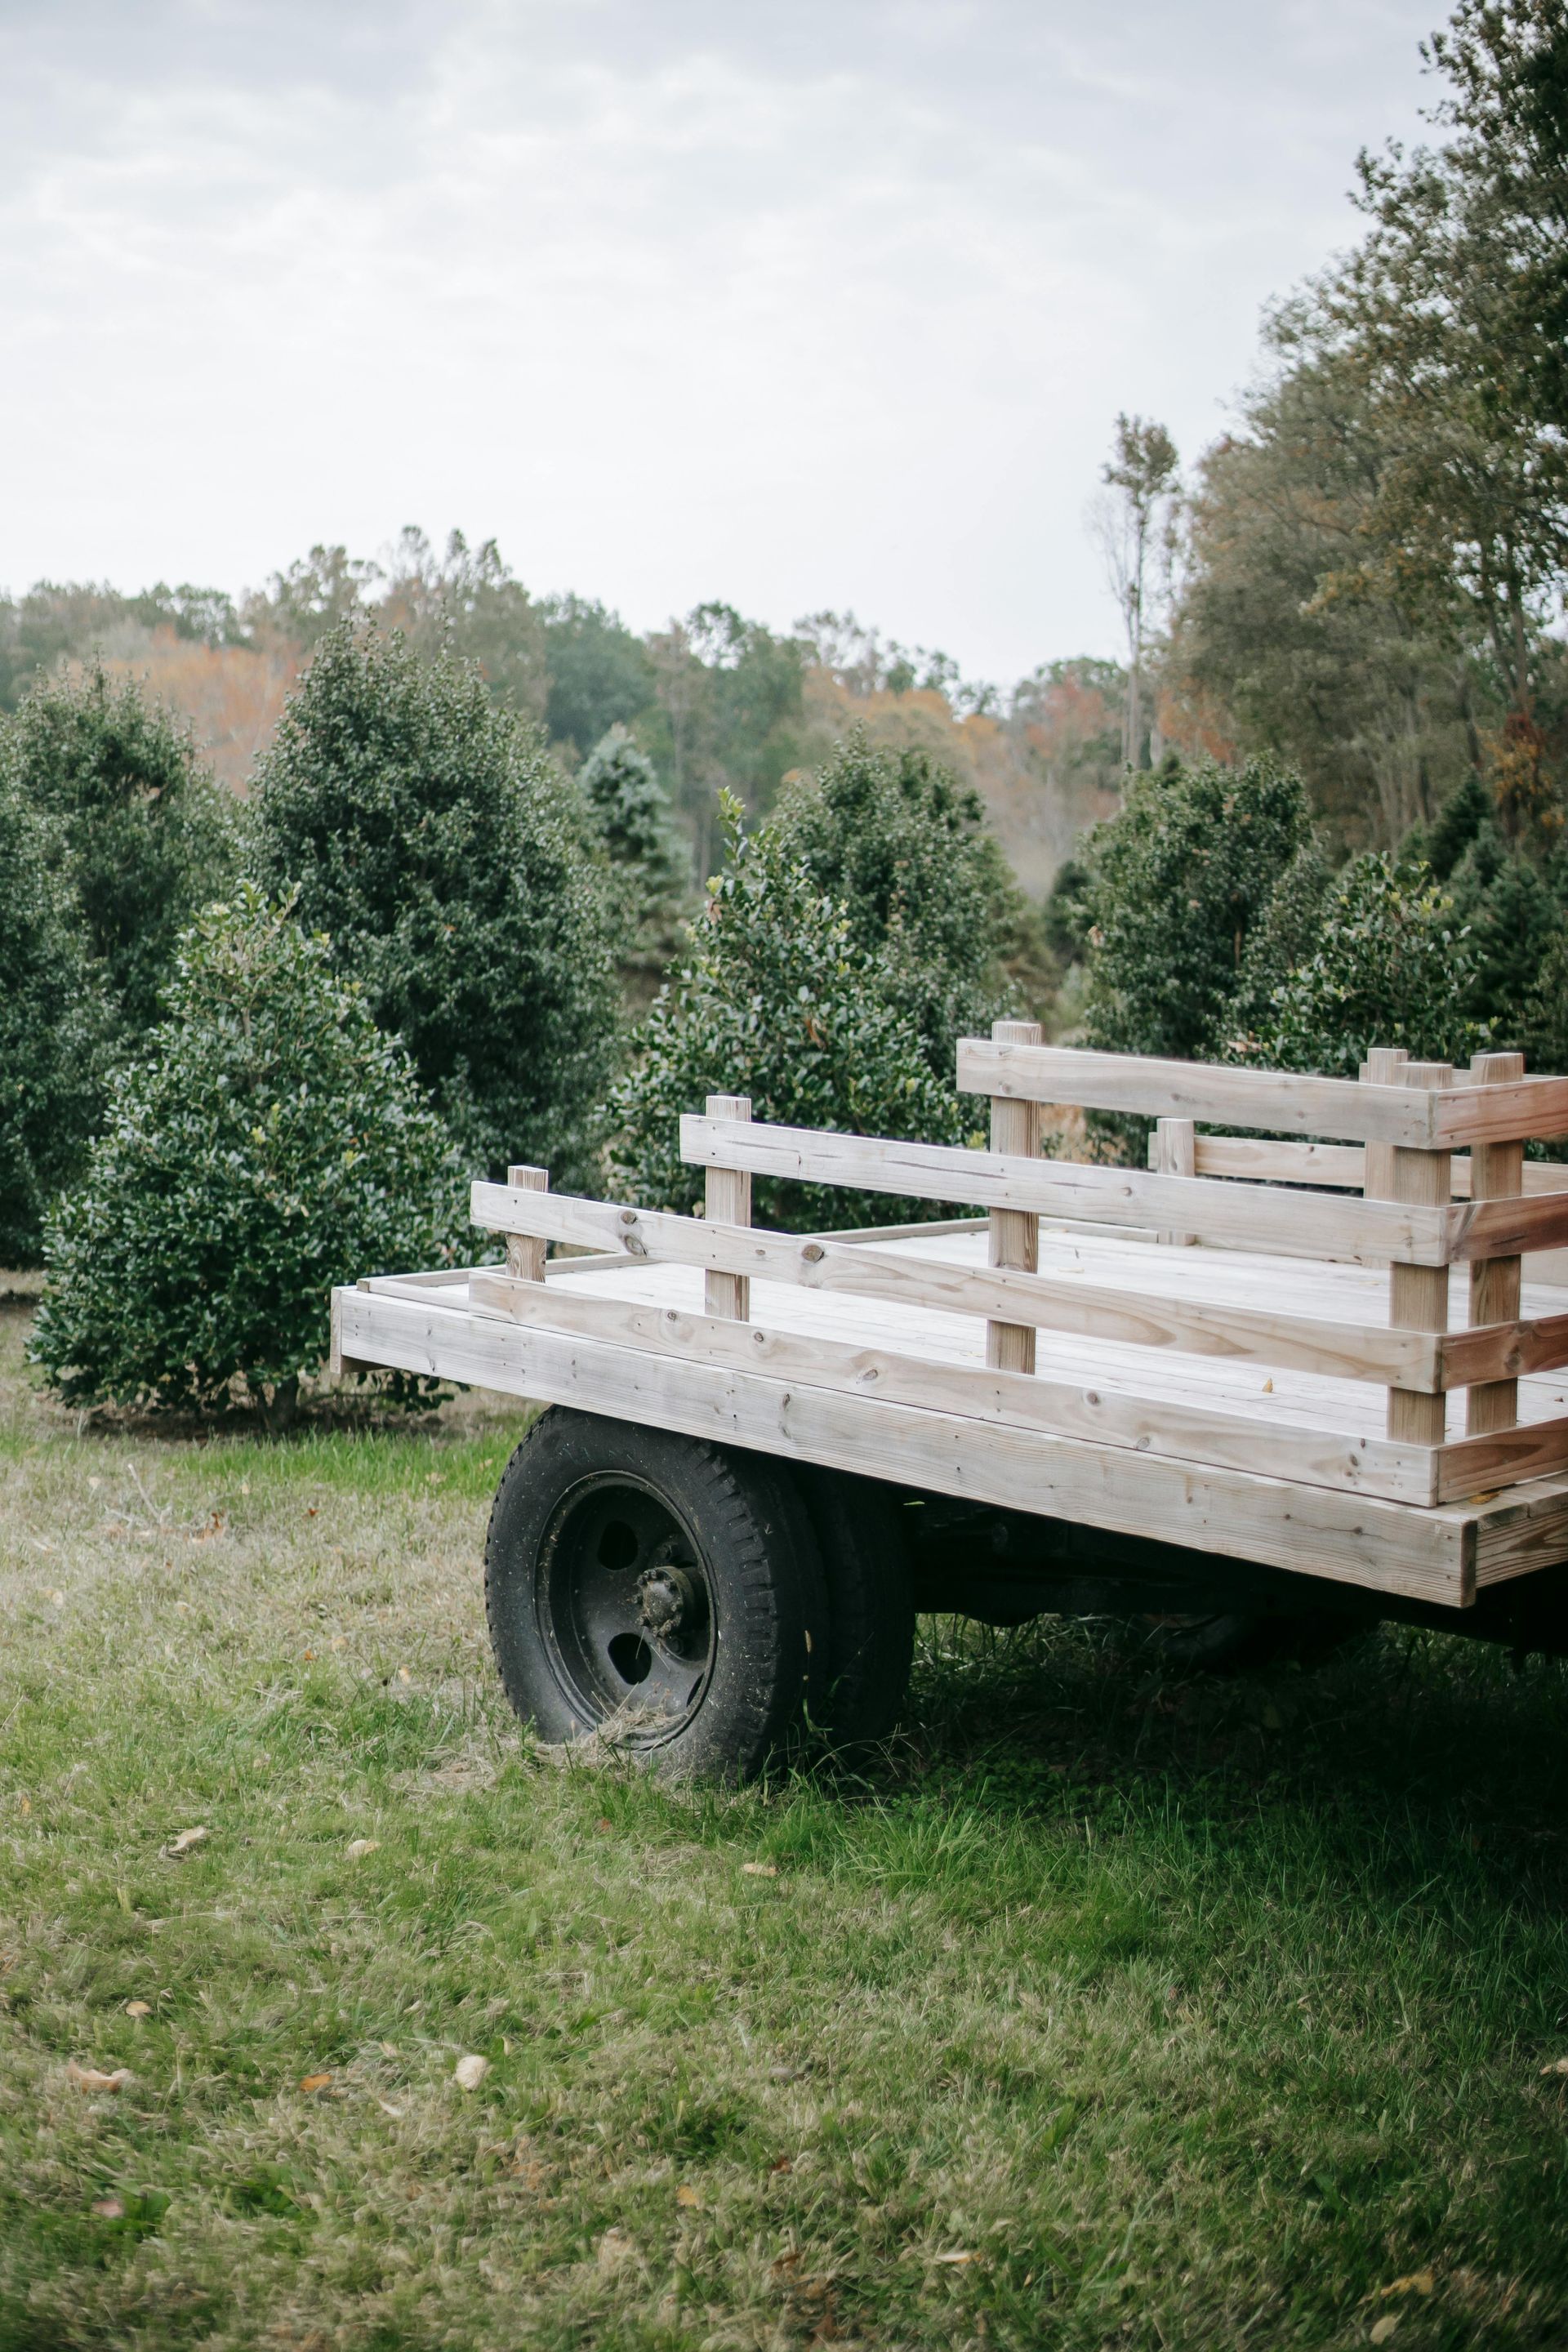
(717, 702)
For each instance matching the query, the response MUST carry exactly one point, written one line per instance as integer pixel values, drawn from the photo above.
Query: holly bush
(781, 1002)
(145, 833)
(1391, 966)
(1176, 883)
(271, 1143)
(449, 864)
(52, 1024)
(902, 847)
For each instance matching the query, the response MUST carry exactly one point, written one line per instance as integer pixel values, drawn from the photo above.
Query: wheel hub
(665, 1598)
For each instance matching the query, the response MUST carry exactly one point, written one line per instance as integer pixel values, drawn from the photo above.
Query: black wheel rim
(626, 1611)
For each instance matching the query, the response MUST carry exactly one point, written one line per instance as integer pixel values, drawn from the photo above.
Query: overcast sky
(792, 302)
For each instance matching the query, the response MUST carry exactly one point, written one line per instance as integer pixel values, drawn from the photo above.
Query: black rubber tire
(745, 1543)
(870, 1602)
(1235, 1641)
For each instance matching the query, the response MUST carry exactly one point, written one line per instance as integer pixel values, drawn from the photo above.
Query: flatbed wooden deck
(1264, 1402)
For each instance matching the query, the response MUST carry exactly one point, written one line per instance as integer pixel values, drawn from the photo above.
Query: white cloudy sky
(795, 302)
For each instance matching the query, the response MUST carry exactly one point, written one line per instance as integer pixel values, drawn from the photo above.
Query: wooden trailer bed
(1317, 1357)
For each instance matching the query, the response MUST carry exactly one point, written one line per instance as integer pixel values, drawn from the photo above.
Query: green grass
(1105, 2012)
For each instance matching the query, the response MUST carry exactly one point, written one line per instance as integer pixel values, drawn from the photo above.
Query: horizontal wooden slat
(1342, 1166)
(1501, 1352)
(1236, 1216)
(1415, 1117)
(1370, 1465)
(1357, 1539)
(1362, 1351)
(1502, 1457)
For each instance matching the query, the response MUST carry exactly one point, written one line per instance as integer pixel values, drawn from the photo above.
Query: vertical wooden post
(1496, 1173)
(1175, 1154)
(1383, 1066)
(728, 1200)
(525, 1252)
(1014, 1232)
(1418, 1295)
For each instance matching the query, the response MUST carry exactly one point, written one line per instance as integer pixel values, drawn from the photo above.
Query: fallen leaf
(389, 2049)
(58, 1599)
(309, 1511)
(955, 2258)
(404, 1675)
(388, 2109)
(90, 2078)
(471, 2070)
(138, 2009)
(186, 1841)
(26, 1807)
(1385, 2327)
(687, 2195)
(758, 1870)
(109, 2209)
(314, 2082)
(782, 2164)
(1556, 2066)
(1414, 2282)
(359, 1847)
(1268, 1388)
(93, 1485)
(307, 1654)
(603, 1826)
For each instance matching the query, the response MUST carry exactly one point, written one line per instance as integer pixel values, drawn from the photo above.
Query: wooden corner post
(1014, 1232)
(525, 1252)
(728, 1200)
(1496, 1173)
(1418, 1295)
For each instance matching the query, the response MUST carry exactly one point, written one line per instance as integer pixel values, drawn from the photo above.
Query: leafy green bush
(895, 840)
(269, 1144)
(52, 1019)
(780, 1002)
(147, 835)
(1391, 967)
(448, 864)
(1176, 882)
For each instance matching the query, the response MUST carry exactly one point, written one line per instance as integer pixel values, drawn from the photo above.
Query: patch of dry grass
(1107, 2011)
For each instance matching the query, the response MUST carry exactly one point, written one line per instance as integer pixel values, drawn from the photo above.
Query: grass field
(1107, 2011)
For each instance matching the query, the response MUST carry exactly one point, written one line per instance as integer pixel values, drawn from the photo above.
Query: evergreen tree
(270, 1144)
(902, 847)
(449, 864)
(1177, 882)
(780, 1002)
(52, 1020)
(145, 835)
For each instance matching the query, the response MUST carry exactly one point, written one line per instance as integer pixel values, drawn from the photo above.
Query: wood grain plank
(1358, 1540)
(1195, 1325)
(1270, 1099)
(1236, 1216)
(1196, 1432)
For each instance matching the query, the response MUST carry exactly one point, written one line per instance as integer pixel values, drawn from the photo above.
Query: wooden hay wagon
(1287, 1378)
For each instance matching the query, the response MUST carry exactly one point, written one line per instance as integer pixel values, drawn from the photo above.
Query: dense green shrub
(449, 864)
(1176, 882)
(1391, 967)
(147, 835)
(780, 1002)
(895, 840)
(52, 1020)
(272, 1143)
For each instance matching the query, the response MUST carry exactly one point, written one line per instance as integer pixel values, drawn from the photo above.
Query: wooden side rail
(1337, 1166)
(1414, 1117)
(1199, 1326)
(1232, 1216)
